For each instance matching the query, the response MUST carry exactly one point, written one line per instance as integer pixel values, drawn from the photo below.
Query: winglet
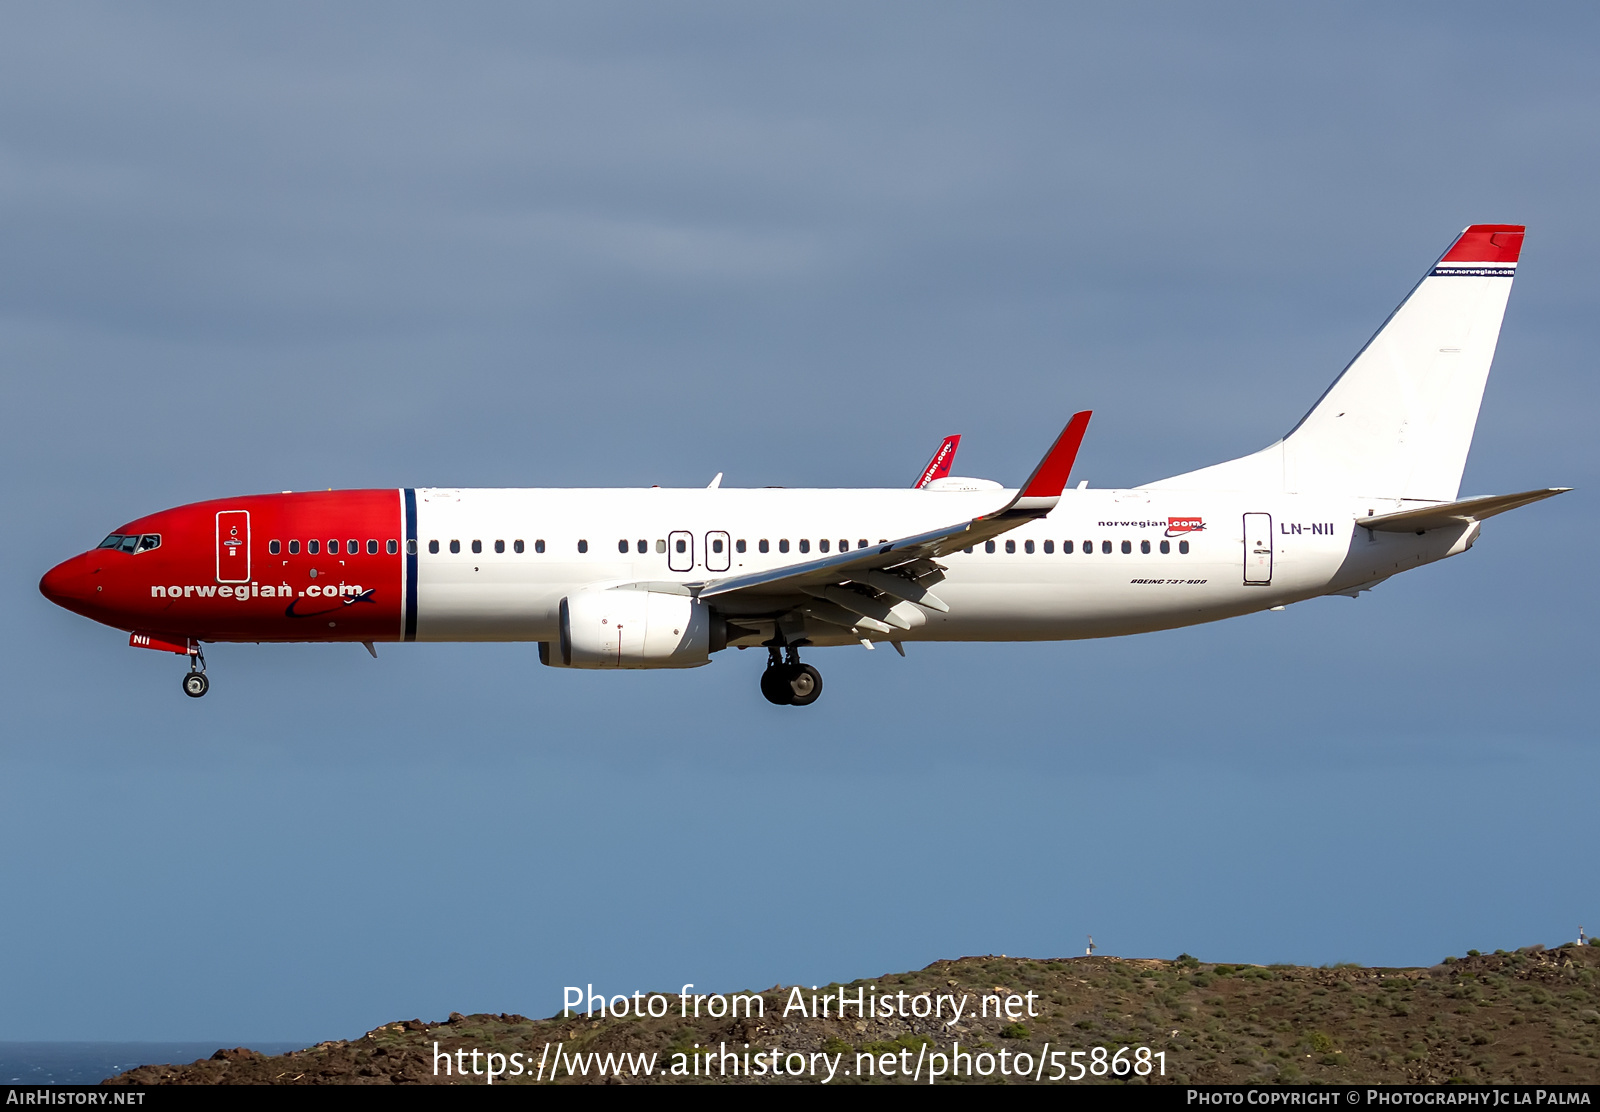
(939, 466)
(1043, 488)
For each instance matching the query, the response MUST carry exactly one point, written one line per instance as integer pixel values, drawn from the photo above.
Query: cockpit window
(132, 542)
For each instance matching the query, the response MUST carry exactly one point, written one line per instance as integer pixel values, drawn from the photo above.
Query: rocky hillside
(1528, 1016)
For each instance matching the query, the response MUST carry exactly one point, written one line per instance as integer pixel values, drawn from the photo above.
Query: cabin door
(1257, 550)
(233, 546)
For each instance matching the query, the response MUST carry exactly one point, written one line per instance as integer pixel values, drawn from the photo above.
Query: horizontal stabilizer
(1455, 513)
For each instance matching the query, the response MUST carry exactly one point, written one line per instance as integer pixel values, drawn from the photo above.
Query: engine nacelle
(626, 628)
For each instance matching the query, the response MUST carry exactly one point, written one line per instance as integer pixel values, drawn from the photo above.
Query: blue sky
(619, 244)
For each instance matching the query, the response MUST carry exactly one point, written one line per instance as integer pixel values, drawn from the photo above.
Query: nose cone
(71, 583)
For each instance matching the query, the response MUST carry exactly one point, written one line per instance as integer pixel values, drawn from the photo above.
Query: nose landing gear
(195, 683)
(787, 682)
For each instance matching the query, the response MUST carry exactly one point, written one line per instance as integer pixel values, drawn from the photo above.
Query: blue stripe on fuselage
(411, 564)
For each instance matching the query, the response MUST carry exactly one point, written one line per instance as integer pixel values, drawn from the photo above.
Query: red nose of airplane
(71, 583)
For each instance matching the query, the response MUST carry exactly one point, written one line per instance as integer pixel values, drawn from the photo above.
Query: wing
(862, 589)
(939, 466)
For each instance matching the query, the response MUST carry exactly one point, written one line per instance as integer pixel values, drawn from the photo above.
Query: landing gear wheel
(775, 685)
(195, 684)
(805, 685)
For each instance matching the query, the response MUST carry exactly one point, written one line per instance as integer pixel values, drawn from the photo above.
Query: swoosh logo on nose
(364, 596)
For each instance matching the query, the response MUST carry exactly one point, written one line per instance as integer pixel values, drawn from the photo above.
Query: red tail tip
(1487, 243)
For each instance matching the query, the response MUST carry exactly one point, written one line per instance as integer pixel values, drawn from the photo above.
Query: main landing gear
(787, 682)
(195, 683)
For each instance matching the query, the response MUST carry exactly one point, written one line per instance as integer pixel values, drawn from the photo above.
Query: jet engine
(628, 628)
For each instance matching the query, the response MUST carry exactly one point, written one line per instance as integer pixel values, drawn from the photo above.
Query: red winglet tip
(1487, 243)
(1050, 478)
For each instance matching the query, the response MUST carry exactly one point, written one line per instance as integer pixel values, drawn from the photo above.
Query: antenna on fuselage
(715, 483)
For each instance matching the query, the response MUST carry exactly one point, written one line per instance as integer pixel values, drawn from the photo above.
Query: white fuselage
(1050, 579)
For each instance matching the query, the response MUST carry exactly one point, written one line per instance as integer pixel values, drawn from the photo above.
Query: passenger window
(499, 546)
(862, 543)
(716, 545)
(333, 548)
(762, 544)
(968, 551)
(738, 546)
(822, 545)
(1105, 547)
(1144, 546)
(1027, 546)
(433, 547)
(783, 545)
(394, 546)
(1166, 547)
(583, 546)
(1049, 547)
(661, 545)
(681, 545)
(1066, 546)
(517, 546)
(313, 547)
(477, 546)
(988, 546)
(538, 546)
(455, 546)
(1011, 547)
(805, 545)
(294, 548)
(353, 547)
(372, 548)
(1183, 547)
(411, 546)
(272, 547)
(1088, 547)
(1127, 548)
(844, 544)
(643, 547)
(622, 547)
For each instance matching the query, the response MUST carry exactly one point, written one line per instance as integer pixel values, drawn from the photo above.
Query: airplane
(939, 465)
(1364, 486)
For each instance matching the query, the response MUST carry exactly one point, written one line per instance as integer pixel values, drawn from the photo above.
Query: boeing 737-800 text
(1366, 485)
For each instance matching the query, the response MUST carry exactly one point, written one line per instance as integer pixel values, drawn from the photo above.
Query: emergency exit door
(718, 552)
(680, 551)
(233, 546)
(1257, 550)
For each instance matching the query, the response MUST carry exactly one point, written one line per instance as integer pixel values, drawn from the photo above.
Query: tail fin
(939, 466)
(1397, 423)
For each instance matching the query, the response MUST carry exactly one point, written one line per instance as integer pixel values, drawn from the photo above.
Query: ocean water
(87, 1063)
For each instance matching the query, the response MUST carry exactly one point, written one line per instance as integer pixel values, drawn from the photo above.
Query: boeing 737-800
(1364, 486)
